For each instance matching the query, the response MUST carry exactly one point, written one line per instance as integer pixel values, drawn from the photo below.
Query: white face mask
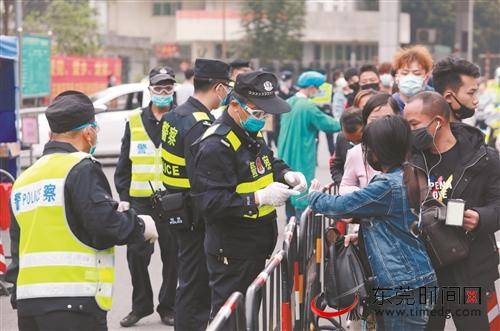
(410, 84)
(386, 80)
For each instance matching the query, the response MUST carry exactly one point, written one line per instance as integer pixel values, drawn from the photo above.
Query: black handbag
(347, 282)
(445, 244)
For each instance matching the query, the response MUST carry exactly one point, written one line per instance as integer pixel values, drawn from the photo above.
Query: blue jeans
(409, 311)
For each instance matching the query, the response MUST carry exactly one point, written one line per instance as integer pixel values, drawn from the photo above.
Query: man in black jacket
(459, 165)
(139, 167)
(180, 129)
(457, 81)
(236, 185)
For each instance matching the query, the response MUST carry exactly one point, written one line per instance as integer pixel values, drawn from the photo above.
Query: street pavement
(123, 289)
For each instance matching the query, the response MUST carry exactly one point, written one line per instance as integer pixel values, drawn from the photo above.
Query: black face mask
(463, 112)
(422, 139)
(370, 158)
(354, 87)
(373, 86)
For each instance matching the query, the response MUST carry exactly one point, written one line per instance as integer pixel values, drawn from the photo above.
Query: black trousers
(63, 321)
(225, 279)
(139, 257)
(193, 295)
(466, 316)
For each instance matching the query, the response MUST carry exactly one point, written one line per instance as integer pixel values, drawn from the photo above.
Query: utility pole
(19, 32)
(224, 46)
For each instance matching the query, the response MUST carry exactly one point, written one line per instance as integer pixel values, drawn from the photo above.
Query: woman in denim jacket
(404, 280)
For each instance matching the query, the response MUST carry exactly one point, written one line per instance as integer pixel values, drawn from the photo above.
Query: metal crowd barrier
(269, 300)
(230, 316)
(311, 242)
(280, 296)
(290, 276)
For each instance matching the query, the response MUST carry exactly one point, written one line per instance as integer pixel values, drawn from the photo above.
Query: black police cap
(159, 74)
(286, 75)
(260, 88)
(211, 69)
(239, 63)
(69, 110)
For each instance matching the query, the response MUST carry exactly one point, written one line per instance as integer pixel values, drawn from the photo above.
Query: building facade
(337, 33)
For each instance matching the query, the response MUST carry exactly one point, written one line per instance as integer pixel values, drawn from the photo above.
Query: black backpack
(347, 283)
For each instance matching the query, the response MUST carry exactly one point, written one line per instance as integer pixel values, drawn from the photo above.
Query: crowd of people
(197, 174)
(417, 123)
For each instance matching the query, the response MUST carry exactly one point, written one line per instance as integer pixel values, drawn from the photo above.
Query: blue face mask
(96, 127)
(92, 149)
(162, 101)
(410, 85)
(251, 124)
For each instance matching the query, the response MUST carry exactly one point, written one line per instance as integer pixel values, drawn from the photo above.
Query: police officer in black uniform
(237, 67)
(181, 127)
(135, 191)
(236, 185)
(91, 215)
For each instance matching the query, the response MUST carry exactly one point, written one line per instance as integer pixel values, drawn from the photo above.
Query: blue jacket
(398, 259)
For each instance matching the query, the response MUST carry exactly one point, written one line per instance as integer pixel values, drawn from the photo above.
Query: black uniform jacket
(181, 128)
(218, 169)
(93, 219)
(123, 173)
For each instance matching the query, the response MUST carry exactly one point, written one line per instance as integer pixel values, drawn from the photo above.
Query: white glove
(123, 206)
(150, 233)
(275, 194)
(315, 186)
(296, 180)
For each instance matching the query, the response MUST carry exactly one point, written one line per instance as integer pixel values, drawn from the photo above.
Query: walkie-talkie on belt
(156, 203)
(173, 208)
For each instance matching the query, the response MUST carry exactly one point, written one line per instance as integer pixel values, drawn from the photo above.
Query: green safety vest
(145, 157)
(52, 261)
(324, 95)
(252, 186)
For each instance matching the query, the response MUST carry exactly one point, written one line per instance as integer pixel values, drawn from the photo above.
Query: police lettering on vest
(174, 162)
(52, 261)
(176, 203)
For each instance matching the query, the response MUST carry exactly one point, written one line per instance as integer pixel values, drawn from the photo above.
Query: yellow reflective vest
(324, 95)
(52, 261)
(145, 157)
(174, 128)
(261, 173)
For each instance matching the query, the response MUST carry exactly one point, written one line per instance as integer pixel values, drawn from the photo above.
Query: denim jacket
(398, 259)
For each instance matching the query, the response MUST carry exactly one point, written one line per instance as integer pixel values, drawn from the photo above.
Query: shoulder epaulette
(228, 137)
(200, 116)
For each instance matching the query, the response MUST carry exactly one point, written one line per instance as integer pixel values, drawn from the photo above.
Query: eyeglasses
(83, 126)
(257, 113)
(162, 89)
